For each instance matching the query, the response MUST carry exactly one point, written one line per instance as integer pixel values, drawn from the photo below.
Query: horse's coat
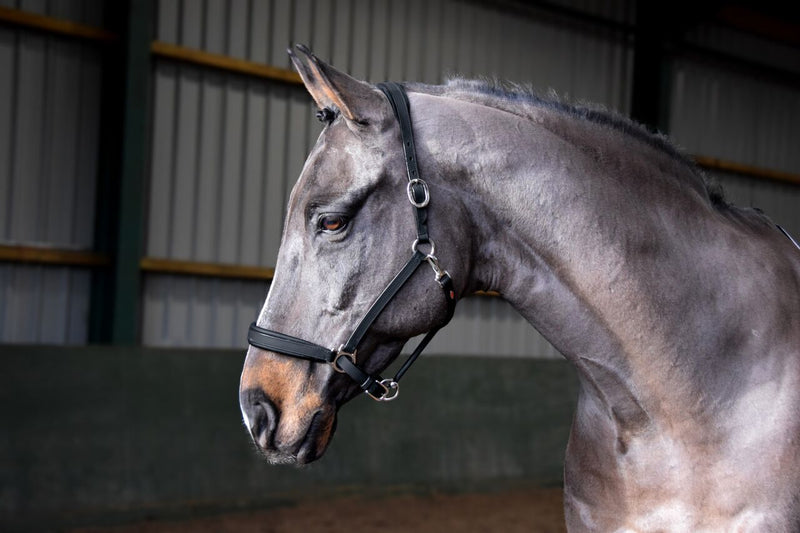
(680, 312)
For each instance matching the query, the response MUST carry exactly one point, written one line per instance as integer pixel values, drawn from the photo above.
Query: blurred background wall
(148, 148)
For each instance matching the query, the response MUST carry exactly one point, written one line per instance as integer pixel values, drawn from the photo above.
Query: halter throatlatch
(343, 359)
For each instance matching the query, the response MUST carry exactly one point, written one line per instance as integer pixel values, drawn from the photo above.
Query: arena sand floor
(512, 511)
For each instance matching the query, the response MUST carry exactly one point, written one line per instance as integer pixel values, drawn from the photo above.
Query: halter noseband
(344, 358)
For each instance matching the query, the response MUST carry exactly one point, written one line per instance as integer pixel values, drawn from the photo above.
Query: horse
(679, 311)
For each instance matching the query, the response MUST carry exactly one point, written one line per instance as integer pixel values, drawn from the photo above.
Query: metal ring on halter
(391, 390)
(416, 244)
(410, 192)
(341, 353)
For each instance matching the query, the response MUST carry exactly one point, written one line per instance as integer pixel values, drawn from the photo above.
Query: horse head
(349, 229)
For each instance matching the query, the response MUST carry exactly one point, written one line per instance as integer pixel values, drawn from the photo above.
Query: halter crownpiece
(343, 359)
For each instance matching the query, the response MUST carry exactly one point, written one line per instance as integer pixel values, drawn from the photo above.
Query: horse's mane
(525, 101)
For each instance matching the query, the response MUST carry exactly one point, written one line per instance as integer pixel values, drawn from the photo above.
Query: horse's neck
(670, 310)
(589, 240)
(599, 275)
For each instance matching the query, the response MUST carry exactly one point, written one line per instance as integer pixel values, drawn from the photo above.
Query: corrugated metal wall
(742, 116)
(735, 117)
(227, 148)
(89, 12)
(43, 304)
(200, 312)
(256, 134)
(49, 123)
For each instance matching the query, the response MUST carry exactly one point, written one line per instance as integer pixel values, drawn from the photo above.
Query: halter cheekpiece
(343, 359)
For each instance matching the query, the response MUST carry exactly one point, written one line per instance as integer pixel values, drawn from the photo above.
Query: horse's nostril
(259, 416)
(259, 422)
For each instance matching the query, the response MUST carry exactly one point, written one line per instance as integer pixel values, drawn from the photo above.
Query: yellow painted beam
(47, 24)
(51, 256)
(159, 265)
(713, 163)
(196, 268)
(222, 62)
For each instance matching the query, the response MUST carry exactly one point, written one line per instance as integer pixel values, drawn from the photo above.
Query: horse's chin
(311, 448)
(279, 458)
(302, 457)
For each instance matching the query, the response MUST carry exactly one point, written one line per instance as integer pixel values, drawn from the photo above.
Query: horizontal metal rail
(156, 265)
(159, 265)
(52, 256)
(713, 163)
(58, 26)
(223, 62)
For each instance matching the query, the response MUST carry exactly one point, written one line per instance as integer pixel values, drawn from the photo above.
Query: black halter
(344, 358)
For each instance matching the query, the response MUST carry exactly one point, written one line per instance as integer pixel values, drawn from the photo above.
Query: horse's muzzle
(281, 441)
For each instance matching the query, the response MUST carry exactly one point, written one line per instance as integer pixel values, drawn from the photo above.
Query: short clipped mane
(520, 100)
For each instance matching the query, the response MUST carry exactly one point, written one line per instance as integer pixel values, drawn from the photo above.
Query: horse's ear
(358, 101)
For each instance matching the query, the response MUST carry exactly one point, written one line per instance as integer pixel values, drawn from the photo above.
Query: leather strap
(383, 300)
(447, 285)
(399, 101)
(293, 346)
(372, 384)
(288, 345)
(788, 236)
(369, 384)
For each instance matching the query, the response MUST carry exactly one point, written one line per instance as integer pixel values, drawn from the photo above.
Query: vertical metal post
(101, 306)
(126, 316)
(650, 93)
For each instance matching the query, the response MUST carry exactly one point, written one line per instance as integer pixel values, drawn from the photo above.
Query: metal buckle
(341, 353)
(437, 269)
(391, 390)
(410, 192)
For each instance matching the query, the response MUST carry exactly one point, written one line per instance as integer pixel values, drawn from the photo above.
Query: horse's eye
(332, 223)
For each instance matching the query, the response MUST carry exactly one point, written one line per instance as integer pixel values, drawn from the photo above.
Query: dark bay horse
(680, 312)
